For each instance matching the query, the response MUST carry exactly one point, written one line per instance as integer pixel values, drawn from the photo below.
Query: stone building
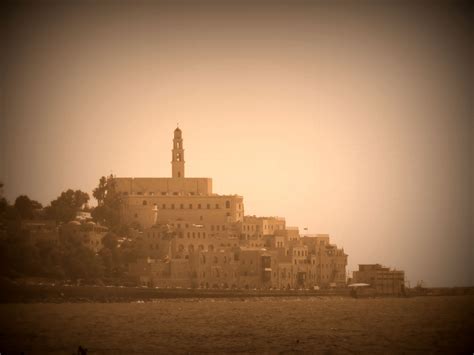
(41, 230)
(89, 233)
(195, 238)
(384, 280)
(330, 261)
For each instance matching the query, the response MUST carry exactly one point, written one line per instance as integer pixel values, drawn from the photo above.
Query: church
(178, 199)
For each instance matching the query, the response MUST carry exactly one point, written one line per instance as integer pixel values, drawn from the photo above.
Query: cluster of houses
(180, 257)
(194, 238)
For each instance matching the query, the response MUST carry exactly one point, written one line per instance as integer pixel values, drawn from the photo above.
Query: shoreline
(52, 293)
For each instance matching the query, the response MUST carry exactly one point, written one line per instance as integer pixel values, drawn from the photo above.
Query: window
(199, 205)
(208, 206)
(227, 204)
(190, 206)
(189, 235)
(179, 173)
(144, 203)
(172, 206)
(164, 206)
(181, 206)
(217, 206)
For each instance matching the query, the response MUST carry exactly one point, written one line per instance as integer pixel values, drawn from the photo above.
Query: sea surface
(442, 324)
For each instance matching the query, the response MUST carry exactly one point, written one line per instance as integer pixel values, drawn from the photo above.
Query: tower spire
(177, 161)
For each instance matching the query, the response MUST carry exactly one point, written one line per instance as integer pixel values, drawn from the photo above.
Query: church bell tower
(177, 161)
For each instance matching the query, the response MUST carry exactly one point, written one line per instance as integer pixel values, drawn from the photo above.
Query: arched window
(178, 157)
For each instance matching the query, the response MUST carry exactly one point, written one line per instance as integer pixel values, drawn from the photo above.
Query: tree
(4, 205)
(109, 201)
(26, 207)
(100, 191)
(64, 208)
(3, 200)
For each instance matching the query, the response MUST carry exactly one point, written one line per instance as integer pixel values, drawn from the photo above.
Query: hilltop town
(175, 232)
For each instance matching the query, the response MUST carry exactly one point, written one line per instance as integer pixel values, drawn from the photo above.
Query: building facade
(382, 279)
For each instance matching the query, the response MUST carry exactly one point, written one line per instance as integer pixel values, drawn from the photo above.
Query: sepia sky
(352, 120)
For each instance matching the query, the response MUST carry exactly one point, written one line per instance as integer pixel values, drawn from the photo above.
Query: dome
(177, 132)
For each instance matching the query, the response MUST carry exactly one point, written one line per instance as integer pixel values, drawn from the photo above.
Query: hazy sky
(353, 121)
